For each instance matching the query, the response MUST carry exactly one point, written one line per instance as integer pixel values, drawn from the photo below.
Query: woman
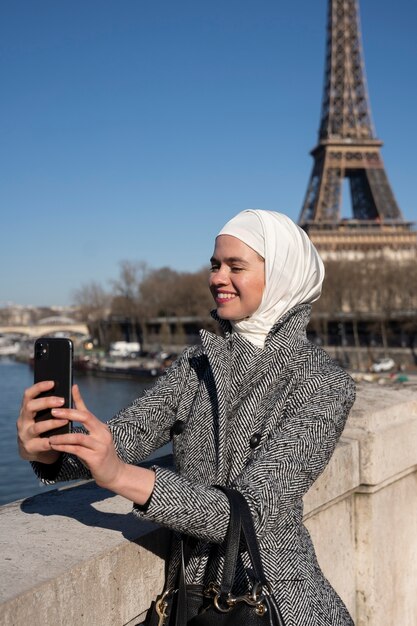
(260, 409)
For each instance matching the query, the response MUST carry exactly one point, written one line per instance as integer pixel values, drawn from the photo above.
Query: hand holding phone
(53, 360)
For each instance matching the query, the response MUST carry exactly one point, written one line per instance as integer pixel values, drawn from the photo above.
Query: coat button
(177, 428)
(255, 440)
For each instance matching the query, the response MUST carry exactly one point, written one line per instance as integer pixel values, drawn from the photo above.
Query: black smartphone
(53, 361)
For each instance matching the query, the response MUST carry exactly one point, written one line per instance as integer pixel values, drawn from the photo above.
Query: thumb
(78, 401)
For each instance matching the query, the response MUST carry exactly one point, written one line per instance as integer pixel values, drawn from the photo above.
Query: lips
(223, 297)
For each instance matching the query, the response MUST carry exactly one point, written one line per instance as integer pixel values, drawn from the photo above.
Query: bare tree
(131, 275)
(158, 293)
(94, 304)
(126, 303)
(166, 292)
(192, 296)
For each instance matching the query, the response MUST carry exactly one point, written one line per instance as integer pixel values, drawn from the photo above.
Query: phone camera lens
(41, 351)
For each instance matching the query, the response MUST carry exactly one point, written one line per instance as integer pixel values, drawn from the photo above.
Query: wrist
(133, 482)
(49, 458)
(115, 481)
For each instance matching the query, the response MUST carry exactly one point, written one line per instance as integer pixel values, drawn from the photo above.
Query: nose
(219, 277)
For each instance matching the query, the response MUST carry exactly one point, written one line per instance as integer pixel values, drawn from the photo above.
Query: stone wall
(362, 512)
(77, 556)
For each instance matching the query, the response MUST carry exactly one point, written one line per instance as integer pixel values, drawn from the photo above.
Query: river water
(103, 396)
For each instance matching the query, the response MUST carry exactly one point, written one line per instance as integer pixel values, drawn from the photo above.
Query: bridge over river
(45, 329)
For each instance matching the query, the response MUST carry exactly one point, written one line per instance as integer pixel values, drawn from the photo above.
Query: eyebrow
(230, 259)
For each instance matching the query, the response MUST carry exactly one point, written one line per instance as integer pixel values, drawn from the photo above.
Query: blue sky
(133, 129)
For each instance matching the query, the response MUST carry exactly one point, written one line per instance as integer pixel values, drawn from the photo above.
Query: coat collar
(285, 330)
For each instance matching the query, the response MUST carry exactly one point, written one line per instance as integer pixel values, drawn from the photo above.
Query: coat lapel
(217, 350)
(236, 363)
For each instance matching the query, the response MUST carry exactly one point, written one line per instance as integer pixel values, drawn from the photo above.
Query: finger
(74, 415)
(36, 389)
(28, 413)
(91, 423)
(39, 404)
(32, 447)
(78, 400)
(79, 451)
(39, 428)
(73, 439)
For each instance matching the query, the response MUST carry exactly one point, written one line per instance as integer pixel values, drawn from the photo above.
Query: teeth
(226, 296)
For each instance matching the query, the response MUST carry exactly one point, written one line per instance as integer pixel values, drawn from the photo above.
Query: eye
(214, 268)
(236, 269)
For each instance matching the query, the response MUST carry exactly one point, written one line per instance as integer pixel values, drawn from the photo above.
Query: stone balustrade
(77, 556)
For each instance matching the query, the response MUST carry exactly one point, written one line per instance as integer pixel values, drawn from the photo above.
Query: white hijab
(294, 272)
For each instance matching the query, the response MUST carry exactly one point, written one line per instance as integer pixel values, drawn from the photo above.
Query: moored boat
(8, 347)
(144, 368)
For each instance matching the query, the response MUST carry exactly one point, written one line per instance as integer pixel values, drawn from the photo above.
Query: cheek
(260, 287)
(252, 290)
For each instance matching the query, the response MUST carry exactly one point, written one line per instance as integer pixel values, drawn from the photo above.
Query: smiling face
(237, 278)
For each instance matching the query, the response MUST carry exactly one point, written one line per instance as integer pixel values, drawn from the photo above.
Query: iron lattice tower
(347, 148)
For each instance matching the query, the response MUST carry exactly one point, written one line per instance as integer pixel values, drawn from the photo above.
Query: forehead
(227, 246)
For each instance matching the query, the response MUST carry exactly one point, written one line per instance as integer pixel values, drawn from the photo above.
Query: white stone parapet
(77, 556)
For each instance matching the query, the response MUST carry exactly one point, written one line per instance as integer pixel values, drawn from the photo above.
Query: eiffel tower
(347, 148)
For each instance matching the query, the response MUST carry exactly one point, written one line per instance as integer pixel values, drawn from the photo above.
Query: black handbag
(215, 605)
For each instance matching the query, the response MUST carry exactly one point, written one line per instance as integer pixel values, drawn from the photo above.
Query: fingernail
(60, 400)
(56, 412)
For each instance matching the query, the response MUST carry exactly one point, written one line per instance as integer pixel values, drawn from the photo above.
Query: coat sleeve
(285, 465)
(146, 424)
(138, 430)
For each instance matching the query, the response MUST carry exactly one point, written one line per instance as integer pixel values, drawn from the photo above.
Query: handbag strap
(181, 600)
(239, 505)
(240, 521)
(231, 542)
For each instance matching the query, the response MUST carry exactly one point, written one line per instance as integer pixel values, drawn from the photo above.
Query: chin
(228, 315)
(224, 315)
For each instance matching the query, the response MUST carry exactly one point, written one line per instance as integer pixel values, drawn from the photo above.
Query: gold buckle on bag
(161, 606)
(254, 598)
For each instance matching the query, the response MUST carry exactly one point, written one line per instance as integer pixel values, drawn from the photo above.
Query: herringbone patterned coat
(264, 421)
